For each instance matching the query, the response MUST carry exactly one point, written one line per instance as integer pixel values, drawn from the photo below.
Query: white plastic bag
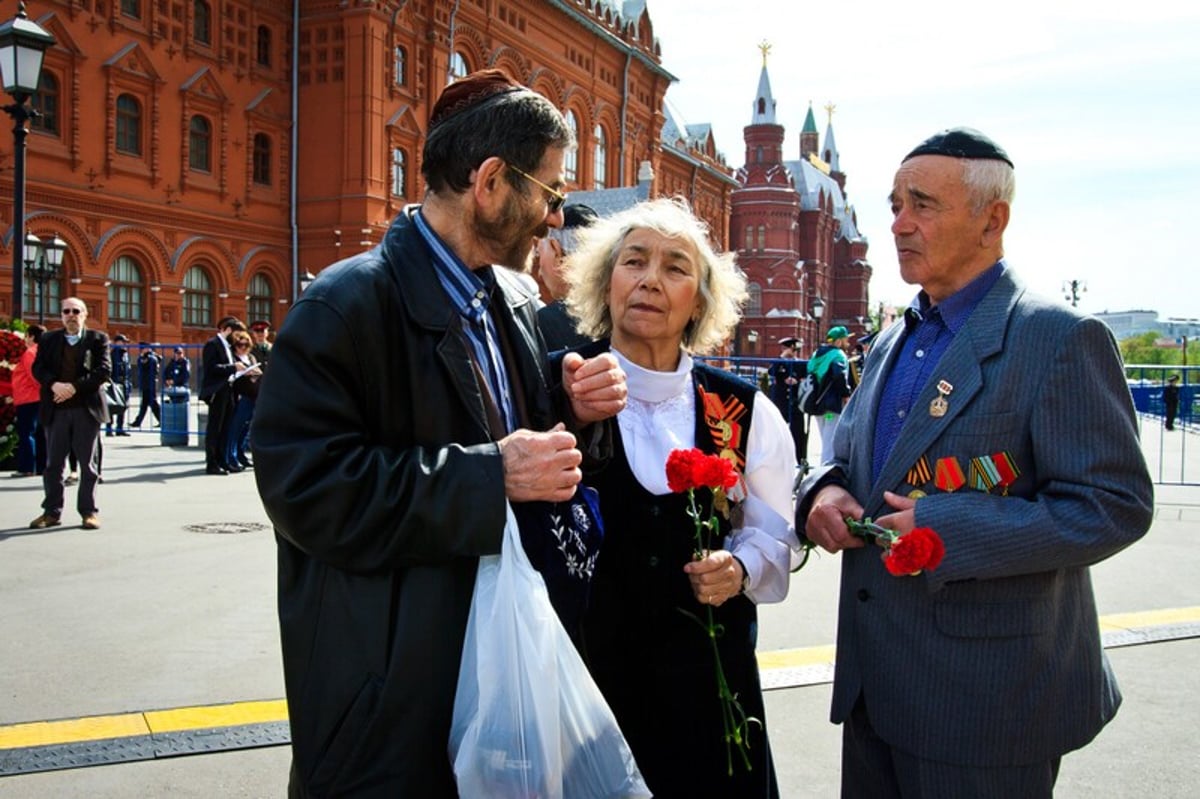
(529, 721)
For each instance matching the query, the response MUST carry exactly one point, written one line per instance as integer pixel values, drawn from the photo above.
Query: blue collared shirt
(470, 292)
(927, 338)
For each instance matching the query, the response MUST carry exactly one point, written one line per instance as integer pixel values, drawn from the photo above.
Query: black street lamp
(42, 261)
(22, 44)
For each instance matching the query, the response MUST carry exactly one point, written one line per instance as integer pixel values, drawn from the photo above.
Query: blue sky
(1099, 109)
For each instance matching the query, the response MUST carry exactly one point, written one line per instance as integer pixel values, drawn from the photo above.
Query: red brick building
(796, 236)
(196, 169)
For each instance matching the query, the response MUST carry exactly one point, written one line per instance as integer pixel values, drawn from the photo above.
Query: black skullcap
(579, 215)
(469, 91)
(961, 143)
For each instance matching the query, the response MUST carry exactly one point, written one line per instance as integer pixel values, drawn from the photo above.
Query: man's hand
(904, 519)
(826, 525)
(541, 466)
(596, 387)
(62, 391)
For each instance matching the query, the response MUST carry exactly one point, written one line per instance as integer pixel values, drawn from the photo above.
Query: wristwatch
(745, 575)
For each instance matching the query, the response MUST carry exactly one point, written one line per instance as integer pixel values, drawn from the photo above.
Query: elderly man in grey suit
(972, 680)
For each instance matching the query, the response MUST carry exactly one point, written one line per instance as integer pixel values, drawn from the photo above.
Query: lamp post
(42, 261)
(1071, 291)
(306, 280)
(22, 44)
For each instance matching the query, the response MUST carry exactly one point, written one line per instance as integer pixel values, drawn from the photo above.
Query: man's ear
(486, 182)
(996, 221)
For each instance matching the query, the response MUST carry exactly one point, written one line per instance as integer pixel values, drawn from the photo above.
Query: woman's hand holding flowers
(716, 577)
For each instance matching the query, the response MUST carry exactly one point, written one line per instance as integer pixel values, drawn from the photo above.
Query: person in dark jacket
(785, 375)
(178, 371)
(218, 370)
(122, 378)
(72, 365)
(1171, 400)
(557, 326)
(148, 364)
(831, 368)
(407, 402)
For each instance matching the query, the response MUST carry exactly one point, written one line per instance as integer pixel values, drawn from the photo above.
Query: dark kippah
(961, 143)
(470, 91)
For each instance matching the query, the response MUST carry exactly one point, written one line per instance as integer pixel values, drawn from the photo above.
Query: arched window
(129, 125)
(125, 291)
(262, 46)
(262, 300)
(762, 237)
(399, 66)
(600, 160)
(758, 151)
(458, 67)
(399, 173)
(262, 159)
(45, 102)
(199, 144)
(754, 300)
(749, 245)
(571, 160)
(197, 298)
(201, 22)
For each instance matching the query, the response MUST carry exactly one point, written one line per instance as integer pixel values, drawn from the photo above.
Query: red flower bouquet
(908, 554)
(687, 470)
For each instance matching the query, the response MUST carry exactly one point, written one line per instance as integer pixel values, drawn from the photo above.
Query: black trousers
(149, 403)
(219, 410)
(71, 431)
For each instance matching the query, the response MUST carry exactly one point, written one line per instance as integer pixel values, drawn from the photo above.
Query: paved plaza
(171, 605)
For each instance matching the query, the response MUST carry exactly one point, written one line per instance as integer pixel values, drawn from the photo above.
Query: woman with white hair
(647, 284)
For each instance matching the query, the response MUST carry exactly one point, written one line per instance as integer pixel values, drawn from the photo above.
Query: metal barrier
(1166, 450)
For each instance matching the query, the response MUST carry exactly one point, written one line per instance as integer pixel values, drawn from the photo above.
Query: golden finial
(829, 109)
(766, 48)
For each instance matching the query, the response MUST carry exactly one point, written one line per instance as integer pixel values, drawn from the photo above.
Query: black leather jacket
(375, 462)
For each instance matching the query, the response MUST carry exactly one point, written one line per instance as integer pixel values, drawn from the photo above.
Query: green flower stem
(870, 530)
(733, 717)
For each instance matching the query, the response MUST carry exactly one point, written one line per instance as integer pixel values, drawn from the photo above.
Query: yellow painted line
(91, 728)
(204, 717)
(1148, 618)
(791, 658)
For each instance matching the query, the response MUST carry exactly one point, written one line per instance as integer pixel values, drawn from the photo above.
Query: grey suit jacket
(995, 657)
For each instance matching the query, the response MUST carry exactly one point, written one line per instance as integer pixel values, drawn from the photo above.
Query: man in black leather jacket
(394, 424)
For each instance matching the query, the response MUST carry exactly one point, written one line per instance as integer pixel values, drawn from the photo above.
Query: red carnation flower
(681, 469)
(918, 549)
(909, 554)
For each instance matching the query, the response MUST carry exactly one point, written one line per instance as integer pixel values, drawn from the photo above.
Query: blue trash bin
(174, 430)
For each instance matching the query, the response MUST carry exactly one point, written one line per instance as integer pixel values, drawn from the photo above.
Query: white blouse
(660, 416)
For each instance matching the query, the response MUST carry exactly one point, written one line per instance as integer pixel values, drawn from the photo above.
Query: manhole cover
(225, 527)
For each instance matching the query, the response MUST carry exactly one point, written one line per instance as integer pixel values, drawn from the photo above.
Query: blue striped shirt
(470, 292)
(928, 337)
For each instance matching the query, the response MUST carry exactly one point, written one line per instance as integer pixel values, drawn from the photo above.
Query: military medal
(938, 406)
(919, 475)
(948, 474)
(1006, 469)
(983, 474)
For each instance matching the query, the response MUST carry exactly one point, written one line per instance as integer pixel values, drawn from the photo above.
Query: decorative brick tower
(795, 234)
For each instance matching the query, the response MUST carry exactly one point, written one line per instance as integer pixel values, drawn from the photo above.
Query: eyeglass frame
(72, 311)
(557, 198)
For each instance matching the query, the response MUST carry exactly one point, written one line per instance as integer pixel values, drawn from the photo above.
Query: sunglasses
(72, 311)
(555, 198)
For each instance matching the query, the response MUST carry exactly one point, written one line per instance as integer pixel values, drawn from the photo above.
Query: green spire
(810, 123)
